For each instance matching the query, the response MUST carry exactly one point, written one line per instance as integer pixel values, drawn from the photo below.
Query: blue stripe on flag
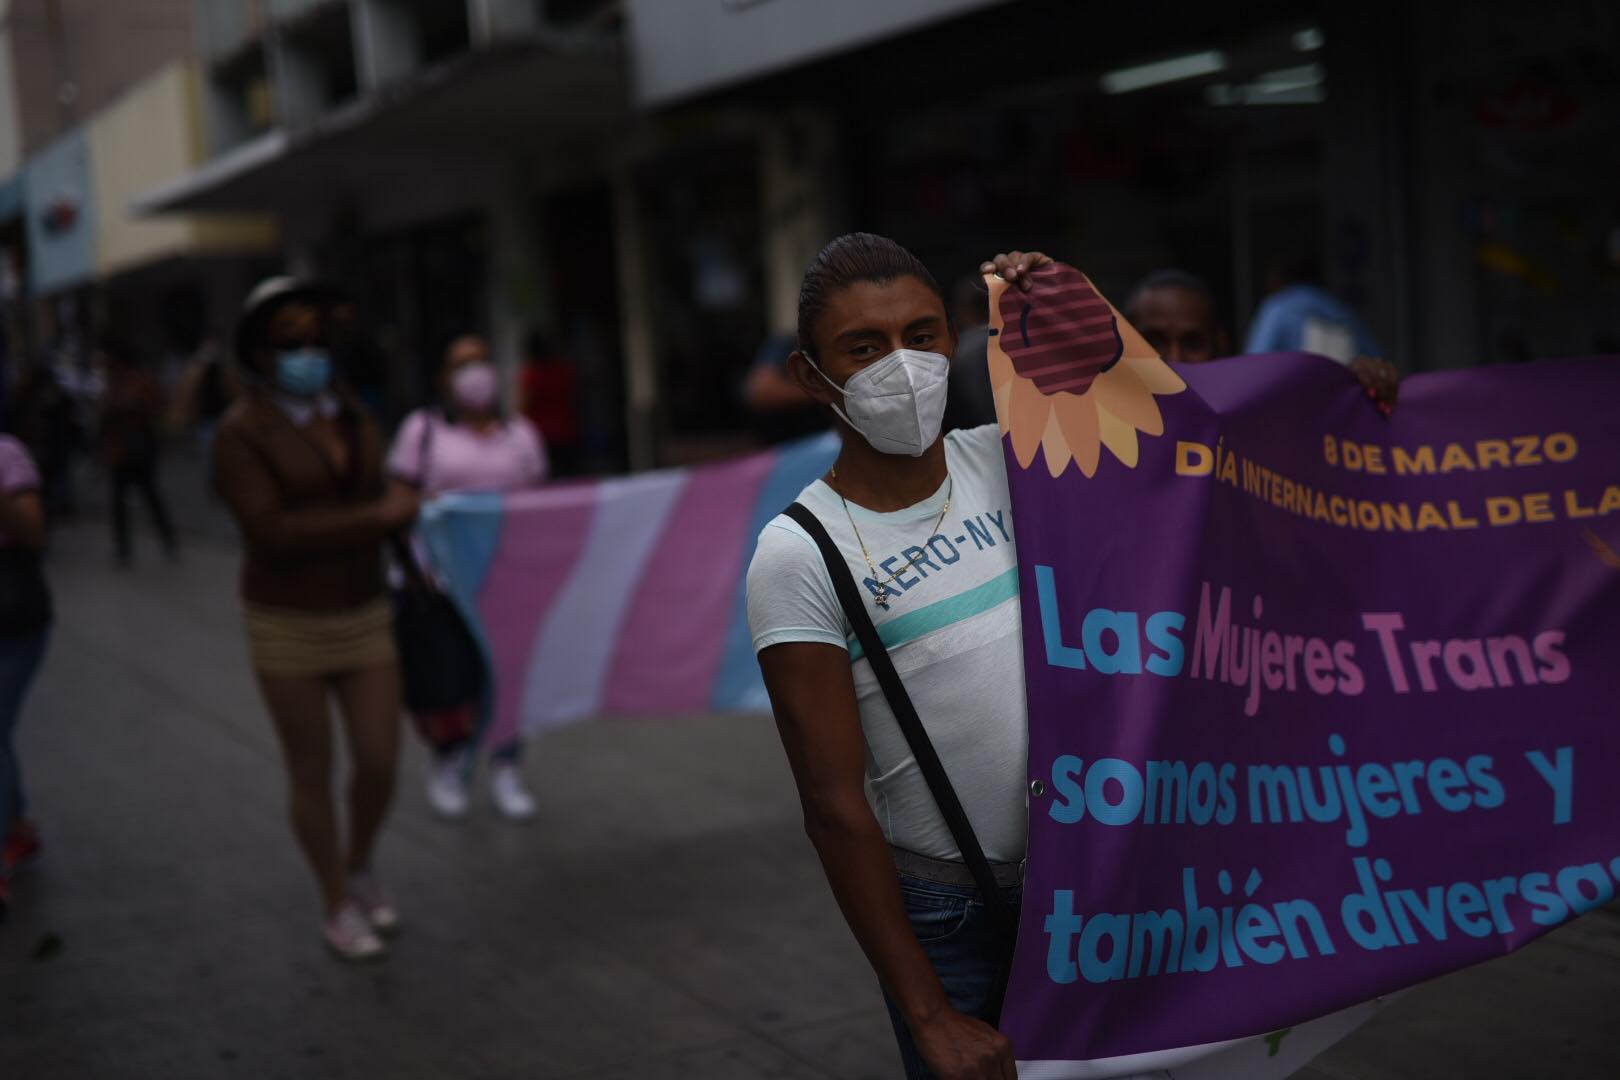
(461, 533)
(737, 686)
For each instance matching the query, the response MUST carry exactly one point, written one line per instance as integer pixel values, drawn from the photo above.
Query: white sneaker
(351, 937)
(374, 903)
(447, 787)
(510, 796)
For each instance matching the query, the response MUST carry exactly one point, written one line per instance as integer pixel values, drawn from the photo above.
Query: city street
(663, 917)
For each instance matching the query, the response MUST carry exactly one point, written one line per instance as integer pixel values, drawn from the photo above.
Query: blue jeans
(19, 660)
(953, 926)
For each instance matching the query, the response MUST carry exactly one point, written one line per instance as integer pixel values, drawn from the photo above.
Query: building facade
(645, 180)
(1423, 154)
(63, 60)
(452, 163)
(97, 102)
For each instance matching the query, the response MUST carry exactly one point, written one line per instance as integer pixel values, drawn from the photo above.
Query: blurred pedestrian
(25, 617)
(299, 462)
(548, 387)
(1175, 312)
(1298, 314)
(129, 440)
(468, 445)
(206, 389)
(44, 418)
(777, 407)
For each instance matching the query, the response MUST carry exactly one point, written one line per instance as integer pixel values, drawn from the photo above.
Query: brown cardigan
(312, 539)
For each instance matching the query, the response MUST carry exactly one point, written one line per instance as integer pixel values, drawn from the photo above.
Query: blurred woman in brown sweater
(300, 465)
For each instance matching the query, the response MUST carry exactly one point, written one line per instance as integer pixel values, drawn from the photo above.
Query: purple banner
(1322, 704)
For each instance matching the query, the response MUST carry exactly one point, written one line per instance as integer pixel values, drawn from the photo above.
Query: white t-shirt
(952, 627)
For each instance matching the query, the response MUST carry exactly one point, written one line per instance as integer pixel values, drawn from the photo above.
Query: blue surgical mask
(303, 372)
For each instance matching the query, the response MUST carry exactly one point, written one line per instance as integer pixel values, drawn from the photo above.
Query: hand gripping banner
(1322, 704)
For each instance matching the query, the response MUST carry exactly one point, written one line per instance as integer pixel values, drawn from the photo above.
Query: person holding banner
(468, 445)
(884, 610)
(1175, 312)
(299, 463)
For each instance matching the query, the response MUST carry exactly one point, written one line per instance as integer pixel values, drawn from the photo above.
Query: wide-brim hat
(266, 297)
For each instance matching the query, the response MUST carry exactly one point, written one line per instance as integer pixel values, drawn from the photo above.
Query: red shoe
(22, 848)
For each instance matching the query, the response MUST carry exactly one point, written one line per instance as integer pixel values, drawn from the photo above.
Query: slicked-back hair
(853, 258)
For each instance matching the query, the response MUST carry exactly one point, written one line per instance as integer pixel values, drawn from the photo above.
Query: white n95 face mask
(898, 402)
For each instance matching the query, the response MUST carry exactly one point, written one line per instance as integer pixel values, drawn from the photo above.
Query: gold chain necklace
(883, 591)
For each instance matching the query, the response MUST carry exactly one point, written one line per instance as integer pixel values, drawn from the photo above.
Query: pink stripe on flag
(536, 555)
(673, 637)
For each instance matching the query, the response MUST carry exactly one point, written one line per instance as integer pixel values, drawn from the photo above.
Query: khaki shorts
(284, 642)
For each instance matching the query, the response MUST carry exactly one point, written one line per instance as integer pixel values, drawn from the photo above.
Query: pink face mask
(475, 386)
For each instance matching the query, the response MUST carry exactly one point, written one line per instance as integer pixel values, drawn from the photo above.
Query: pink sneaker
(350, 936)
(374, 903)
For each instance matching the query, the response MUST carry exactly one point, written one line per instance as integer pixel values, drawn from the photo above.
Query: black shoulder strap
(424, 450)
(922, 748)
(416, 579)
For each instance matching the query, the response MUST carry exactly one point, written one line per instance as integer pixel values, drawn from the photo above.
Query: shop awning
(682, 50)
(522, 98)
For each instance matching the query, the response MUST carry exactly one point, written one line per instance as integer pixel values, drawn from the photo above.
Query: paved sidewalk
(664, 916)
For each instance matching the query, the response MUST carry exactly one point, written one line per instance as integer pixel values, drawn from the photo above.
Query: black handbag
(25, 598)
(439, 658)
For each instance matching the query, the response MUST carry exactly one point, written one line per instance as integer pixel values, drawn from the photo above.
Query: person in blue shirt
(1299, 315)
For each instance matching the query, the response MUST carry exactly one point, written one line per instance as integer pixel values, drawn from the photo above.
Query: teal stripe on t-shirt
(942, 613)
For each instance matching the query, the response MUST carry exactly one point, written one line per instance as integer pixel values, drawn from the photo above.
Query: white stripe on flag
(574, 649)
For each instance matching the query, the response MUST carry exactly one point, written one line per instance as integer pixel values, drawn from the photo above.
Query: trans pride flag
(622, 595)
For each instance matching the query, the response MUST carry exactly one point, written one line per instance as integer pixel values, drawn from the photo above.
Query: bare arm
(813, 697)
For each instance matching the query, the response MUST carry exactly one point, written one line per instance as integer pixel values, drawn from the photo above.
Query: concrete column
(296, 82)
(385, 42)
(492, 20)
(301, 230)
(1365, 168)
(520, 293)
(635, 314)
(795, 155)
(1445, 275)
(11, 155)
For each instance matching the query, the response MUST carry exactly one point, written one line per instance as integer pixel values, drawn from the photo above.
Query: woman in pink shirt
(470, 446)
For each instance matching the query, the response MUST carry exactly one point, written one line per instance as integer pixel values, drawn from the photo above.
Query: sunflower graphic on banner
(1071, 377)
